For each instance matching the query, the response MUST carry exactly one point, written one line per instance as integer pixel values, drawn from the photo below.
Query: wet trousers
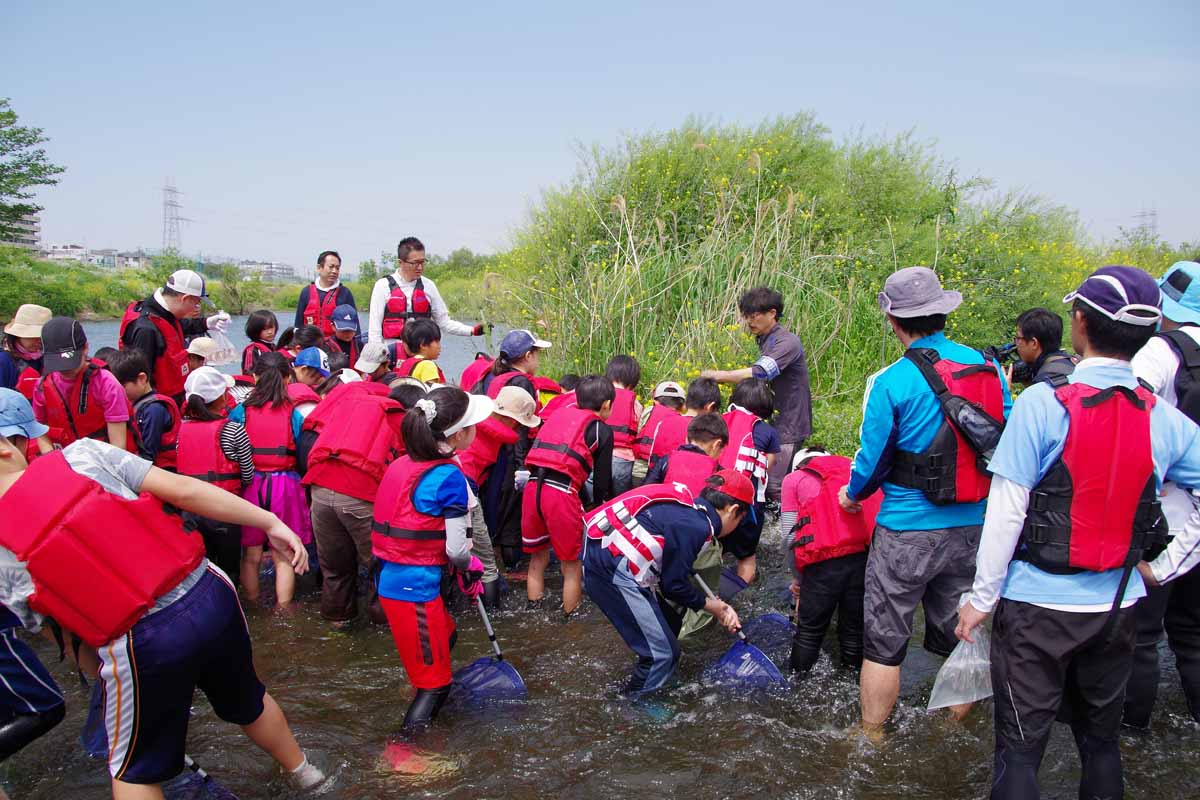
(826, 587)
(342, 528)
(1175, 607)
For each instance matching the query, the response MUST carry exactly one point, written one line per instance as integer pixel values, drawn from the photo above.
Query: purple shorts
(282, 495)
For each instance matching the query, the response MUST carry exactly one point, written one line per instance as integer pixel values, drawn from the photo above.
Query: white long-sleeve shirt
(441, 314)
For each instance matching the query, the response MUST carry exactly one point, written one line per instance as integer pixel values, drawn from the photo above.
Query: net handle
(487, 623)
(712, 596)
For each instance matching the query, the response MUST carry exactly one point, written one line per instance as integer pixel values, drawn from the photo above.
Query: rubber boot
(492, 600)
(22, 729)
(424, 708)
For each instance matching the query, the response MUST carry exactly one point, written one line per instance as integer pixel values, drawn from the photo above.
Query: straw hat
(28, 321)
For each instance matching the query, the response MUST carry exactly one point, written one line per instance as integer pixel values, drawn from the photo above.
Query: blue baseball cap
(519, 342)
(1181, 292)
(345, 317)
(1123, 294)
(313, 357)
(16, 416)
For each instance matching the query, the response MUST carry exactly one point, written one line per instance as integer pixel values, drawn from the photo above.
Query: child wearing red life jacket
(516, 365)
(21, 353)
(490, 464)
(215, 450)
(625, 374)
(77, 397)
(89, 537)
(668, 404)
(422, 524)
(156, 418)
(261, 327)
(273, 425)
(423, 340)
(570, 446)
(753, 447)
(693, 463)
(827, 549)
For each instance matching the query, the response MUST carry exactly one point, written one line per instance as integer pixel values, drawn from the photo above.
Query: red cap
(736, 485)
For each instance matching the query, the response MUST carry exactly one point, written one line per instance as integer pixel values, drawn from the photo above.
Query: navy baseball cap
(519, 342)
(345, 317)
(16, 416)
(63, 343)
(1123, 294)
(1181, 292)
(315, 358)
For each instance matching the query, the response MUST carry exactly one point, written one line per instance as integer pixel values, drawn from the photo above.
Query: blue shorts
(26, 686)
(150, 674)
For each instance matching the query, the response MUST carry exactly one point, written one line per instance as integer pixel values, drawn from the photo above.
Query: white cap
(670, 389)
(348, 375)
(202, 346)
(209, 384)
(373, 356)
(479, 408)
(185, 281)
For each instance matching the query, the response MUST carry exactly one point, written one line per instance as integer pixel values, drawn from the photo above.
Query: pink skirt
(282, 494)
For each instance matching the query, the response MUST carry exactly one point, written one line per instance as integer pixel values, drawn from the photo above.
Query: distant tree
(234, 292)
(387, 262)
(23, 165)
(368, 271)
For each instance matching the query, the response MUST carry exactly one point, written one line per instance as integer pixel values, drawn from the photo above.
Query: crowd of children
(364, 455)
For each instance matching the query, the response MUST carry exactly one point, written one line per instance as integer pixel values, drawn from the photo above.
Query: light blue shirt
(1033, 441)
(901, 412)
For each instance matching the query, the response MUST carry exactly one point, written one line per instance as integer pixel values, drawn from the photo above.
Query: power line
(171, 219)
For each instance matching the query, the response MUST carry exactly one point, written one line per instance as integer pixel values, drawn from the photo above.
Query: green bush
(647, 250)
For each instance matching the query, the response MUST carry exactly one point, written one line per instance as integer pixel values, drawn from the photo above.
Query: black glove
(482, 328)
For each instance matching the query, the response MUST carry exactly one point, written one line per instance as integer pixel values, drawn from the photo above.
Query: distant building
(105, 259)
(270, 271)
(138, 260)
(28, 234)
(67, 252)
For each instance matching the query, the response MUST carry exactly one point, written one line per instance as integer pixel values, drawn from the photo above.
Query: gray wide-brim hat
(916, 292)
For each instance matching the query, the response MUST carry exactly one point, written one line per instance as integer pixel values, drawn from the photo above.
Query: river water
(344, 693)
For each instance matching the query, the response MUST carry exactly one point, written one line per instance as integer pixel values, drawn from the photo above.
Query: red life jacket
(503, 379)
(690, 468)
(166, 458)
(201, 456)
(356, 445)
(672, 434)
(328, 408)
(823, 530)
(400, 533)
(98, 561)
(545, 385)
(1097, 507)
(399, 310)
(560, 445)
(472, 376)
(616, 526)
(334, 345)
(302, 393)
(564, 400)
(27, 380)
(79, 416)
(320, 312)
(407, 366)
(478, 459)
(741, 453)
(271, 439)
(622, 420)
(647, 437)
(171, 367)
(951, 470)
(250, 354)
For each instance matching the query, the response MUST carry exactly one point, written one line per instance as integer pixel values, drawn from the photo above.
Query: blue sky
(296, 127)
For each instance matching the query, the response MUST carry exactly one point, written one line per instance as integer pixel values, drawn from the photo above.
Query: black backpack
(1187, 378)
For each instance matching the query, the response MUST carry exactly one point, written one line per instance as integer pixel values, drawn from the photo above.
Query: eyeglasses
(419, 263)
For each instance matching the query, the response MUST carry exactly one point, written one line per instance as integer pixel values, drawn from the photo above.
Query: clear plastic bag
(226, 353)
(967, 674)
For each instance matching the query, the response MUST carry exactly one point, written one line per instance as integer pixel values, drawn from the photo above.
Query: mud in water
(346, 692)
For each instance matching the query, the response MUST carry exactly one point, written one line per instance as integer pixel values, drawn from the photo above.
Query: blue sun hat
(16, 416)
(1180, 288)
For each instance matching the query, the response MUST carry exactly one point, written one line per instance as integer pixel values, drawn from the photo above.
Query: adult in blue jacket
(922, 552)
(629, 566)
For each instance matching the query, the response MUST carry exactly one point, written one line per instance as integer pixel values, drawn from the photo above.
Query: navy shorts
(26, 686)
(151, 673)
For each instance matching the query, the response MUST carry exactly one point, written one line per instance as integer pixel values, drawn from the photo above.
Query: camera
(1001, 352)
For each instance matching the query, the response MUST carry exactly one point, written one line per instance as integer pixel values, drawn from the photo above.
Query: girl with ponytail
(273, 426)
(421, 523)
